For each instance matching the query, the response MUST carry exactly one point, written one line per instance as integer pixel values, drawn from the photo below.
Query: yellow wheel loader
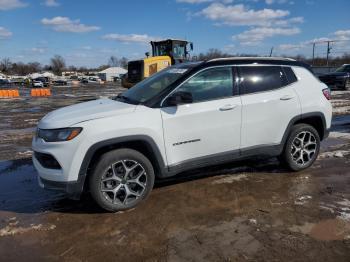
(164, 53)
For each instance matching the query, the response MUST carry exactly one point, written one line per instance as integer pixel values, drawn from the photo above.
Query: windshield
(343, 68)
(153, 85)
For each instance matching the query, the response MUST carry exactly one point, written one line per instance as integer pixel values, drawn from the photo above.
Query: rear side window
(290, 75)
(255, 79)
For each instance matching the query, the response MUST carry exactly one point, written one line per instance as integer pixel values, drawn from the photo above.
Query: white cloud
(193, 1)
(51, 3)
(270, 2)
(4, 33)
(11, 4)
(87, 47)
(256, 35)
(342, 34)
(131, 38)
(234, 15)
(203, 1)
(65, 24)
(37, 50)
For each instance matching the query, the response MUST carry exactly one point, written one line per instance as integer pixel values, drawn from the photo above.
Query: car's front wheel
(302, 147)
(121, 180)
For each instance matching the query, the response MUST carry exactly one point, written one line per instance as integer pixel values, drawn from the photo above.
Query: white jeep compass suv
(187, 116)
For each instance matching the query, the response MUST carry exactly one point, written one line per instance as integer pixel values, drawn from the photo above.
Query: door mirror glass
(179, 98)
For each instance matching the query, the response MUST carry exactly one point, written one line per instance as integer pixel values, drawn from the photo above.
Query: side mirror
(147, 54)
(179, 98)
(191, 46)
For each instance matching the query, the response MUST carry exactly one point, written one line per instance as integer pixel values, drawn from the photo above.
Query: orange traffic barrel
(40, 92)
(5, 93)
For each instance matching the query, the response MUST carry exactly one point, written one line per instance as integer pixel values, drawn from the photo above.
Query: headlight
(59, 135)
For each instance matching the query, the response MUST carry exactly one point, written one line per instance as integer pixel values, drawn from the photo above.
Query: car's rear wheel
(347, 84)
(302, 147)
(121, 180)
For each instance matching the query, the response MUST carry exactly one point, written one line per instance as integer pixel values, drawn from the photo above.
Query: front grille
(135, 71)
(47, 161)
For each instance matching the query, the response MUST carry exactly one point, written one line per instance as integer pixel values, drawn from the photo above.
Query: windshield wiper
(126, 99)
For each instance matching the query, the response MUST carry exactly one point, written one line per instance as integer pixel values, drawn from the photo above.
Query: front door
(209, 126)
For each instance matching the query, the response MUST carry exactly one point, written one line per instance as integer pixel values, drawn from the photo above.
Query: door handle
(286, 97)
(227, 107)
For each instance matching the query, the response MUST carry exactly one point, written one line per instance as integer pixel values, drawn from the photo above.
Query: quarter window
(210, 84)
(290, 75)
(261, 78)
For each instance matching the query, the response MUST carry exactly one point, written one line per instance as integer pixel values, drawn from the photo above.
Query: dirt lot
(245, 211)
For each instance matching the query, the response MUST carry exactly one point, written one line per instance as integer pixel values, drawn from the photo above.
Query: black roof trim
(256, 61)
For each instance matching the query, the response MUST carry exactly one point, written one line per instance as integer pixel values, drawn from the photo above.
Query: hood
(70, 115)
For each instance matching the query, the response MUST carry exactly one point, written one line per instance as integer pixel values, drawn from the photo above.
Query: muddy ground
(245, 211)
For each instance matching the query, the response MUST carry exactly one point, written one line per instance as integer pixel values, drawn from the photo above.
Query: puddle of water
(325, 230)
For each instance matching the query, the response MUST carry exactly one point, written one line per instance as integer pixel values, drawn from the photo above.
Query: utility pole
(271, 51)
(313, 53)
(329, 48)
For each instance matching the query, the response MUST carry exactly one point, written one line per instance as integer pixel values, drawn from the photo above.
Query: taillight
(327, 93)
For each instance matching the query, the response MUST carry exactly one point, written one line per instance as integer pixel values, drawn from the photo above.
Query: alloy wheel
(124, 182)
(303, 148)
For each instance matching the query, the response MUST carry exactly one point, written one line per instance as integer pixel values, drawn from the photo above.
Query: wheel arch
(315, 119)
(140, 143)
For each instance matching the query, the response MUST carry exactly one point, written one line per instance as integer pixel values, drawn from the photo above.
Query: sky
(87, 33)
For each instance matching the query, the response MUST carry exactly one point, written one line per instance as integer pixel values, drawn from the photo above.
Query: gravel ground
(244, 211)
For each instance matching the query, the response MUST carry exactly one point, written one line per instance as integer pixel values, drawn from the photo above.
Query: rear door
(269, 102)
(209, 126)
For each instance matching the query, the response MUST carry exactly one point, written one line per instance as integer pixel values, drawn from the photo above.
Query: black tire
(120, 159)
(347, 85)
(287, 155)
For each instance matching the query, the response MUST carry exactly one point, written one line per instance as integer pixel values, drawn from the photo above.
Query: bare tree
(5, 65)
(58, 64)
(114, 61)
(123, 62)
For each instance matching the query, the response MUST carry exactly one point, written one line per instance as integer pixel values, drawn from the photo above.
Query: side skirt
(221, 158)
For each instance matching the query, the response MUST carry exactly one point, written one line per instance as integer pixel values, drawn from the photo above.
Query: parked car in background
(44, 80)
(4, 82)
(36, 83)
(60, 82)
(340, 78)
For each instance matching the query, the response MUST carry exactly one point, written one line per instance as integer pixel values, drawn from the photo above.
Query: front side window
(210, 84)
(261, 78)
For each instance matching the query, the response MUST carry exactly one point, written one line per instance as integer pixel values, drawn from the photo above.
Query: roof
(258, 60)
(253, 58)
(171, 39)
(113, 70)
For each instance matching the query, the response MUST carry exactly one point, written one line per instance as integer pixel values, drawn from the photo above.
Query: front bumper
(58, 165)
(72, 189)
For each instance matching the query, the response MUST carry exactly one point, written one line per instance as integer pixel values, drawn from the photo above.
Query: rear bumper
(73, 190)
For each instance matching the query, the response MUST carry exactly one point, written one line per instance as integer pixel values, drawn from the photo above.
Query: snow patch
(13, 229)
(339, 135)
(302, 200)
(337, 154)
(230, 179)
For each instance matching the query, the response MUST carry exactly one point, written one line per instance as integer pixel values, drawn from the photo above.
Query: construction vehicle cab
(164, 53)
